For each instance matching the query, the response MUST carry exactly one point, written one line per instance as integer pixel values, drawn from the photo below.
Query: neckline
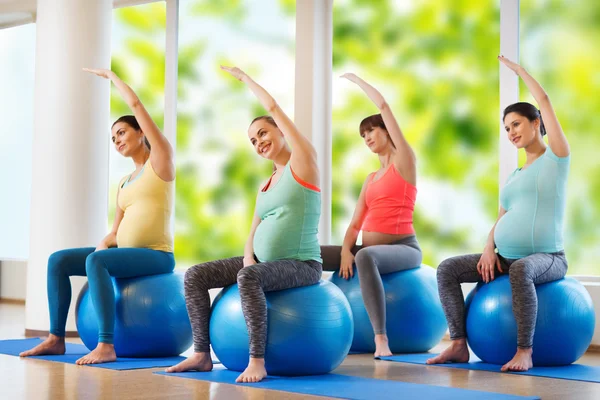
(383, 175)
(129, 181)
(273, 186)
(534, 161)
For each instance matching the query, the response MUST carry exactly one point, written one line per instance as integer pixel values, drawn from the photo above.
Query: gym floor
(38, 379)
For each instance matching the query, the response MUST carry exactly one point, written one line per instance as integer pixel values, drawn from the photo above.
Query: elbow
(271, 106)
(383, 105)
(544, 99)
(135, 103)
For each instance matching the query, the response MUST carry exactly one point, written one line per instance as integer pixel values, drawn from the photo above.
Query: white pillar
(171, 54)
(509, 82)
(312, 112)
(69, 186)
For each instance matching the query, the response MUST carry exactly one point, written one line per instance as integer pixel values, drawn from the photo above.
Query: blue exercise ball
(564, 327)
(151, 319)
(415, 321)
(309, 330)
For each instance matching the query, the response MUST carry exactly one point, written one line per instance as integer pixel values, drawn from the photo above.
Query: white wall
(17, 46)
(13, 280)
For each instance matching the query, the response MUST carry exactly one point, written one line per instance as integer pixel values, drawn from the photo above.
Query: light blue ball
(564, 326)
(414, 315)
(309, 330)
(151, 318)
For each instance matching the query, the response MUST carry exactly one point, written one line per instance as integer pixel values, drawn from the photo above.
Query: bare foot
(103, 353)
(382, 348)
(520, 362)
(255, 372)
(457, 352)
(52, 345)
(197, 362)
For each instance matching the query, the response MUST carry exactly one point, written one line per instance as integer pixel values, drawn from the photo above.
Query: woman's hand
(248, 261)
(235, 72)
(346, 269)
(487, 263)
(103, 73)
(512, 65)
(351, 77)
(101, 246)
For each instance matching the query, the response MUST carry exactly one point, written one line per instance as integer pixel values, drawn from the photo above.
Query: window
(218, 173)
(16, 113)
(556, 42)
(435, 63)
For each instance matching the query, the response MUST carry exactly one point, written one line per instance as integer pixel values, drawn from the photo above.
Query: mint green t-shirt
(534, 200)
(289, 214)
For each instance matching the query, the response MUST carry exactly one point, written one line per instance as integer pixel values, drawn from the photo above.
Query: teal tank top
(289, 214)
(534, 200)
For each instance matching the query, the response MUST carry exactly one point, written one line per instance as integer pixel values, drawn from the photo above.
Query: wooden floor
(37, 379)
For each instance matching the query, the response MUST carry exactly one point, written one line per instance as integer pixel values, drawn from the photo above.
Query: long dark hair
(132, 122)
(528, 111)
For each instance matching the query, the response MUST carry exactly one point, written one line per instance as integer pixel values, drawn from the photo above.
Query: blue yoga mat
(574, 372)
(347, 387)
(76, 351)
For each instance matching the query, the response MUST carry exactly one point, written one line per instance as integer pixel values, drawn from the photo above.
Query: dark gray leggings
(253, 281)
(372, 262)
(524, 274)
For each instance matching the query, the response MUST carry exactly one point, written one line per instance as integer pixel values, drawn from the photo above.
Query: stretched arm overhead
(405, 159)
(304, 157)
(556, 137)
(162, 154)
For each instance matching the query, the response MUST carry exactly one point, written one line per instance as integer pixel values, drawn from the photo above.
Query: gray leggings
(524, 274)
(372, 262)
(253, 281)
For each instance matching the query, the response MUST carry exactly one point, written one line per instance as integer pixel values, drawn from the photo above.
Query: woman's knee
(247, 275)
(93, 263)
(520, 271)
(365, 259)
(57, 261)
(447, 268)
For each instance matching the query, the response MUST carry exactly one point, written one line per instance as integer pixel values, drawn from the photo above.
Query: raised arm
(304, 156)
(406, 159)
(556, 137)
(161, 155)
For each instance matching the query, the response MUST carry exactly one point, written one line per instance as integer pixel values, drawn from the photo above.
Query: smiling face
(520, 130)
(127, 140)
(266, 138)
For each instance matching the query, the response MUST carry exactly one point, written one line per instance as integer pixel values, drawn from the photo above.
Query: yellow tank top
(147, 202)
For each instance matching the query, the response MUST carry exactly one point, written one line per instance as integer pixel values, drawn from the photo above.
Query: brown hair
(267, 118)
(372, 122)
